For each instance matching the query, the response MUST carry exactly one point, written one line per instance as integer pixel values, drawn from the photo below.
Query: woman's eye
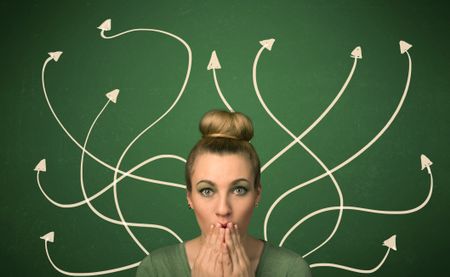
(206, 192)
(240, 190)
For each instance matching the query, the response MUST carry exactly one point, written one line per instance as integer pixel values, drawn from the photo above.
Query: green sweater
(172, 261)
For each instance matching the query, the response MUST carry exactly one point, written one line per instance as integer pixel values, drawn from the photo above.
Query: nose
(223, 208)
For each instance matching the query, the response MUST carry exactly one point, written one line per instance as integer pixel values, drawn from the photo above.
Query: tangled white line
(214, 65)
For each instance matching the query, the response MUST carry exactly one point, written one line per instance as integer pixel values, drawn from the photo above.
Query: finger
(240, 250)
(216, 264)
(231, 244)
(227, 265)
(214, 235)
(207, 249)
(220, 234)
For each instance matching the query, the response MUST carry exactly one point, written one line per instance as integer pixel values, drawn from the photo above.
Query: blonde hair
(224, 132)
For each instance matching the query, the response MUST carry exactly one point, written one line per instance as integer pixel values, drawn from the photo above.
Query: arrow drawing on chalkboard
(404, 49)
(112, 96)
(41, 167)
(390, 243)
(425, 163)
(50, 238)
(267, 44)
(106, 26)
(55, 56)
(214, 64)
(356, 54)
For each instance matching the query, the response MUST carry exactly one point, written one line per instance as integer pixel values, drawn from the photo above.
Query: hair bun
(225, 124)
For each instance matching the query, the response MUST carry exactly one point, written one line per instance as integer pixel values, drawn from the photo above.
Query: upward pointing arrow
(425, 162)
(267, 43)
(41, 166)
(112, 95)
(356, 53)
(105, 26)
(55, 55)
(49, 237)
(214, 62)
(404, 46)
(391, 242)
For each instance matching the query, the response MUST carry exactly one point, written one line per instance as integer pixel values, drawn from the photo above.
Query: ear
(258, 193)
(188, 197)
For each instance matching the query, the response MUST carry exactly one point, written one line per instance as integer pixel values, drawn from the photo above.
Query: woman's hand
(209, 260)
(234, 258)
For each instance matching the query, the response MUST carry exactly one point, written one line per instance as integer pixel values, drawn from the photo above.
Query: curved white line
(353, 208)
(366, 271)
(116, 201)
(338, 189)
(362, 150)
(76, 142)
(324, 113)
(220, 92)
(106, 188)
(93, 209)
(103, 272)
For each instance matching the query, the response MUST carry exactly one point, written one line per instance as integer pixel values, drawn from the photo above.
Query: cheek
(204, 217)
(243, 213)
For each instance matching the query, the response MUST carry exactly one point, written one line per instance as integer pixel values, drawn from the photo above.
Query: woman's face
(222, 190)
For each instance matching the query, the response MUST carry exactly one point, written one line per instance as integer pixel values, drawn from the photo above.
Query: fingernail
(235, 226)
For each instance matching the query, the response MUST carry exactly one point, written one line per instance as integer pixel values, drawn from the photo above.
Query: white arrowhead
(391, 242)
(112, 95)
(425, 162)
(356, 53)
(404, 46)
(49, 237)
(214, 61)
(41, 166)
(105, 26)
(267, 43)
(55, 55)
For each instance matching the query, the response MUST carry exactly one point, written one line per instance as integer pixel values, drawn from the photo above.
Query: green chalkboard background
(301, 75)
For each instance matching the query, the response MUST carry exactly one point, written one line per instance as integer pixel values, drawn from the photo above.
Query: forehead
(221, 167)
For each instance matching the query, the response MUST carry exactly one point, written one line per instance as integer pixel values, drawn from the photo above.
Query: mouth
(223, 225)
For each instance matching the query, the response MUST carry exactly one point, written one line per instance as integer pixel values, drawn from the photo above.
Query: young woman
(223, 187)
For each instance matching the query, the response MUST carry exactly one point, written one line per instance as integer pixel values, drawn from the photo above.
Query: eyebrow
(213, 184)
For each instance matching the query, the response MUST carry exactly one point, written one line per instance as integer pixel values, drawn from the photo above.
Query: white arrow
(109, 186)
(354, 156)
(404, 46)
(116, 171)
(50, 236)
(105, 26)
(267, 44)
(105, 189)
(55, 56)
(366, 210)
(426, 163)
(113, 95)
(41, 166)
(389, 243)
(214, 64)
(356, 54)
